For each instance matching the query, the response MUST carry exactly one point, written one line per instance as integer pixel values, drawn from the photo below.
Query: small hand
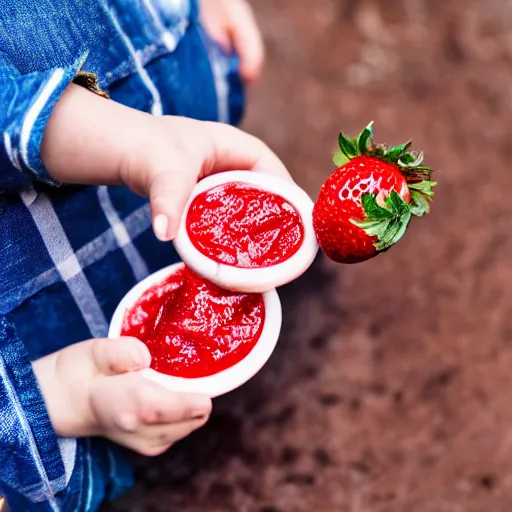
(90, 140)
(176, 152)
(232, 24)
(94, 388)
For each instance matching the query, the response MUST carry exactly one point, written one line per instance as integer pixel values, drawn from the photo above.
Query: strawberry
(365, 206)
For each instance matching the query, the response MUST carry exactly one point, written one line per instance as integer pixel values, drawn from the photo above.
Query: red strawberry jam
(193, 328)
(244, 226)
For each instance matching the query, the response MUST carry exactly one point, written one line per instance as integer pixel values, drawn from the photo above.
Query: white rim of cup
(226, 380)
(252, 279)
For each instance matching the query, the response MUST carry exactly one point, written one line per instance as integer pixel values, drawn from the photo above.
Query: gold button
(3, 505)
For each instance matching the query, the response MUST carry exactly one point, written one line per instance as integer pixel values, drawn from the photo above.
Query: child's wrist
(88, 137)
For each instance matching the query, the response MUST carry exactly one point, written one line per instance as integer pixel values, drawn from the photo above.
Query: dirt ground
(390, 389)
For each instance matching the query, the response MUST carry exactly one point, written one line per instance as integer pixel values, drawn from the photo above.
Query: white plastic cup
(251, 280)
(227, 380)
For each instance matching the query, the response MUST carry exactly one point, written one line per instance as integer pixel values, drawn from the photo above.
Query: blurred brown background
(391, 387)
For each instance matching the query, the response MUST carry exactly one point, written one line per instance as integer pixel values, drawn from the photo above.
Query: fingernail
(160, 225)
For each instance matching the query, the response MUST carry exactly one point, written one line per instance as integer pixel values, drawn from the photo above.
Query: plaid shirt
(68, 254)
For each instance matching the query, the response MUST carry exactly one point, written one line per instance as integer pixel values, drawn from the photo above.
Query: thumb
(116, 356)
(222, 148)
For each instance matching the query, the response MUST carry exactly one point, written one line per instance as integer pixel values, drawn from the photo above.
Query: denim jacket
(68, 254)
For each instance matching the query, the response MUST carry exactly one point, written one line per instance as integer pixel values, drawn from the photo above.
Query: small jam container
(226, 380)
(259, 279)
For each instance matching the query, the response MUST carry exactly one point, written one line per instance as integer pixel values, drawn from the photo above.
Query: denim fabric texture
(69, 254)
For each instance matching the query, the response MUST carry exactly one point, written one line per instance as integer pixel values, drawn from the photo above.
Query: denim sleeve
(31, 456)
(229, 86)
(26, 103)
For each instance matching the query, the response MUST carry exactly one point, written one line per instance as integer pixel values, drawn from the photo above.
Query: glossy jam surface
(244, 226)
(193, 328)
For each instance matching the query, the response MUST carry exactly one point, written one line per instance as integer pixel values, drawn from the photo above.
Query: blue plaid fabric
(69, 254)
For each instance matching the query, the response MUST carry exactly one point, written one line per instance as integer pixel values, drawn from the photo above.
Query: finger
(168, 195)
(214, 22)
(159, 406)
(234, 149)
(115, 356)
(247, 40)
(155, 440)
(220, 148)
(170, 187)
(165, 435)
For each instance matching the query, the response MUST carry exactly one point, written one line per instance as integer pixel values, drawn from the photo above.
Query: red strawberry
(364, 207)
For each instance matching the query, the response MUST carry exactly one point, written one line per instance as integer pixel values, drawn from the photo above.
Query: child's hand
(232, 24)
(167, 163)
(90, 140)
(94, 388)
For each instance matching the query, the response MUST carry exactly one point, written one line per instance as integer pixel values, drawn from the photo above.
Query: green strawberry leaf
(411, 160)
(348, 146)
(421, 195)
(373, 210)
(364, 137)
(425, 187)
(394, 232)
(339, 159)
(407, 159)
(394, 153)
(387, 223)
(419, 204)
